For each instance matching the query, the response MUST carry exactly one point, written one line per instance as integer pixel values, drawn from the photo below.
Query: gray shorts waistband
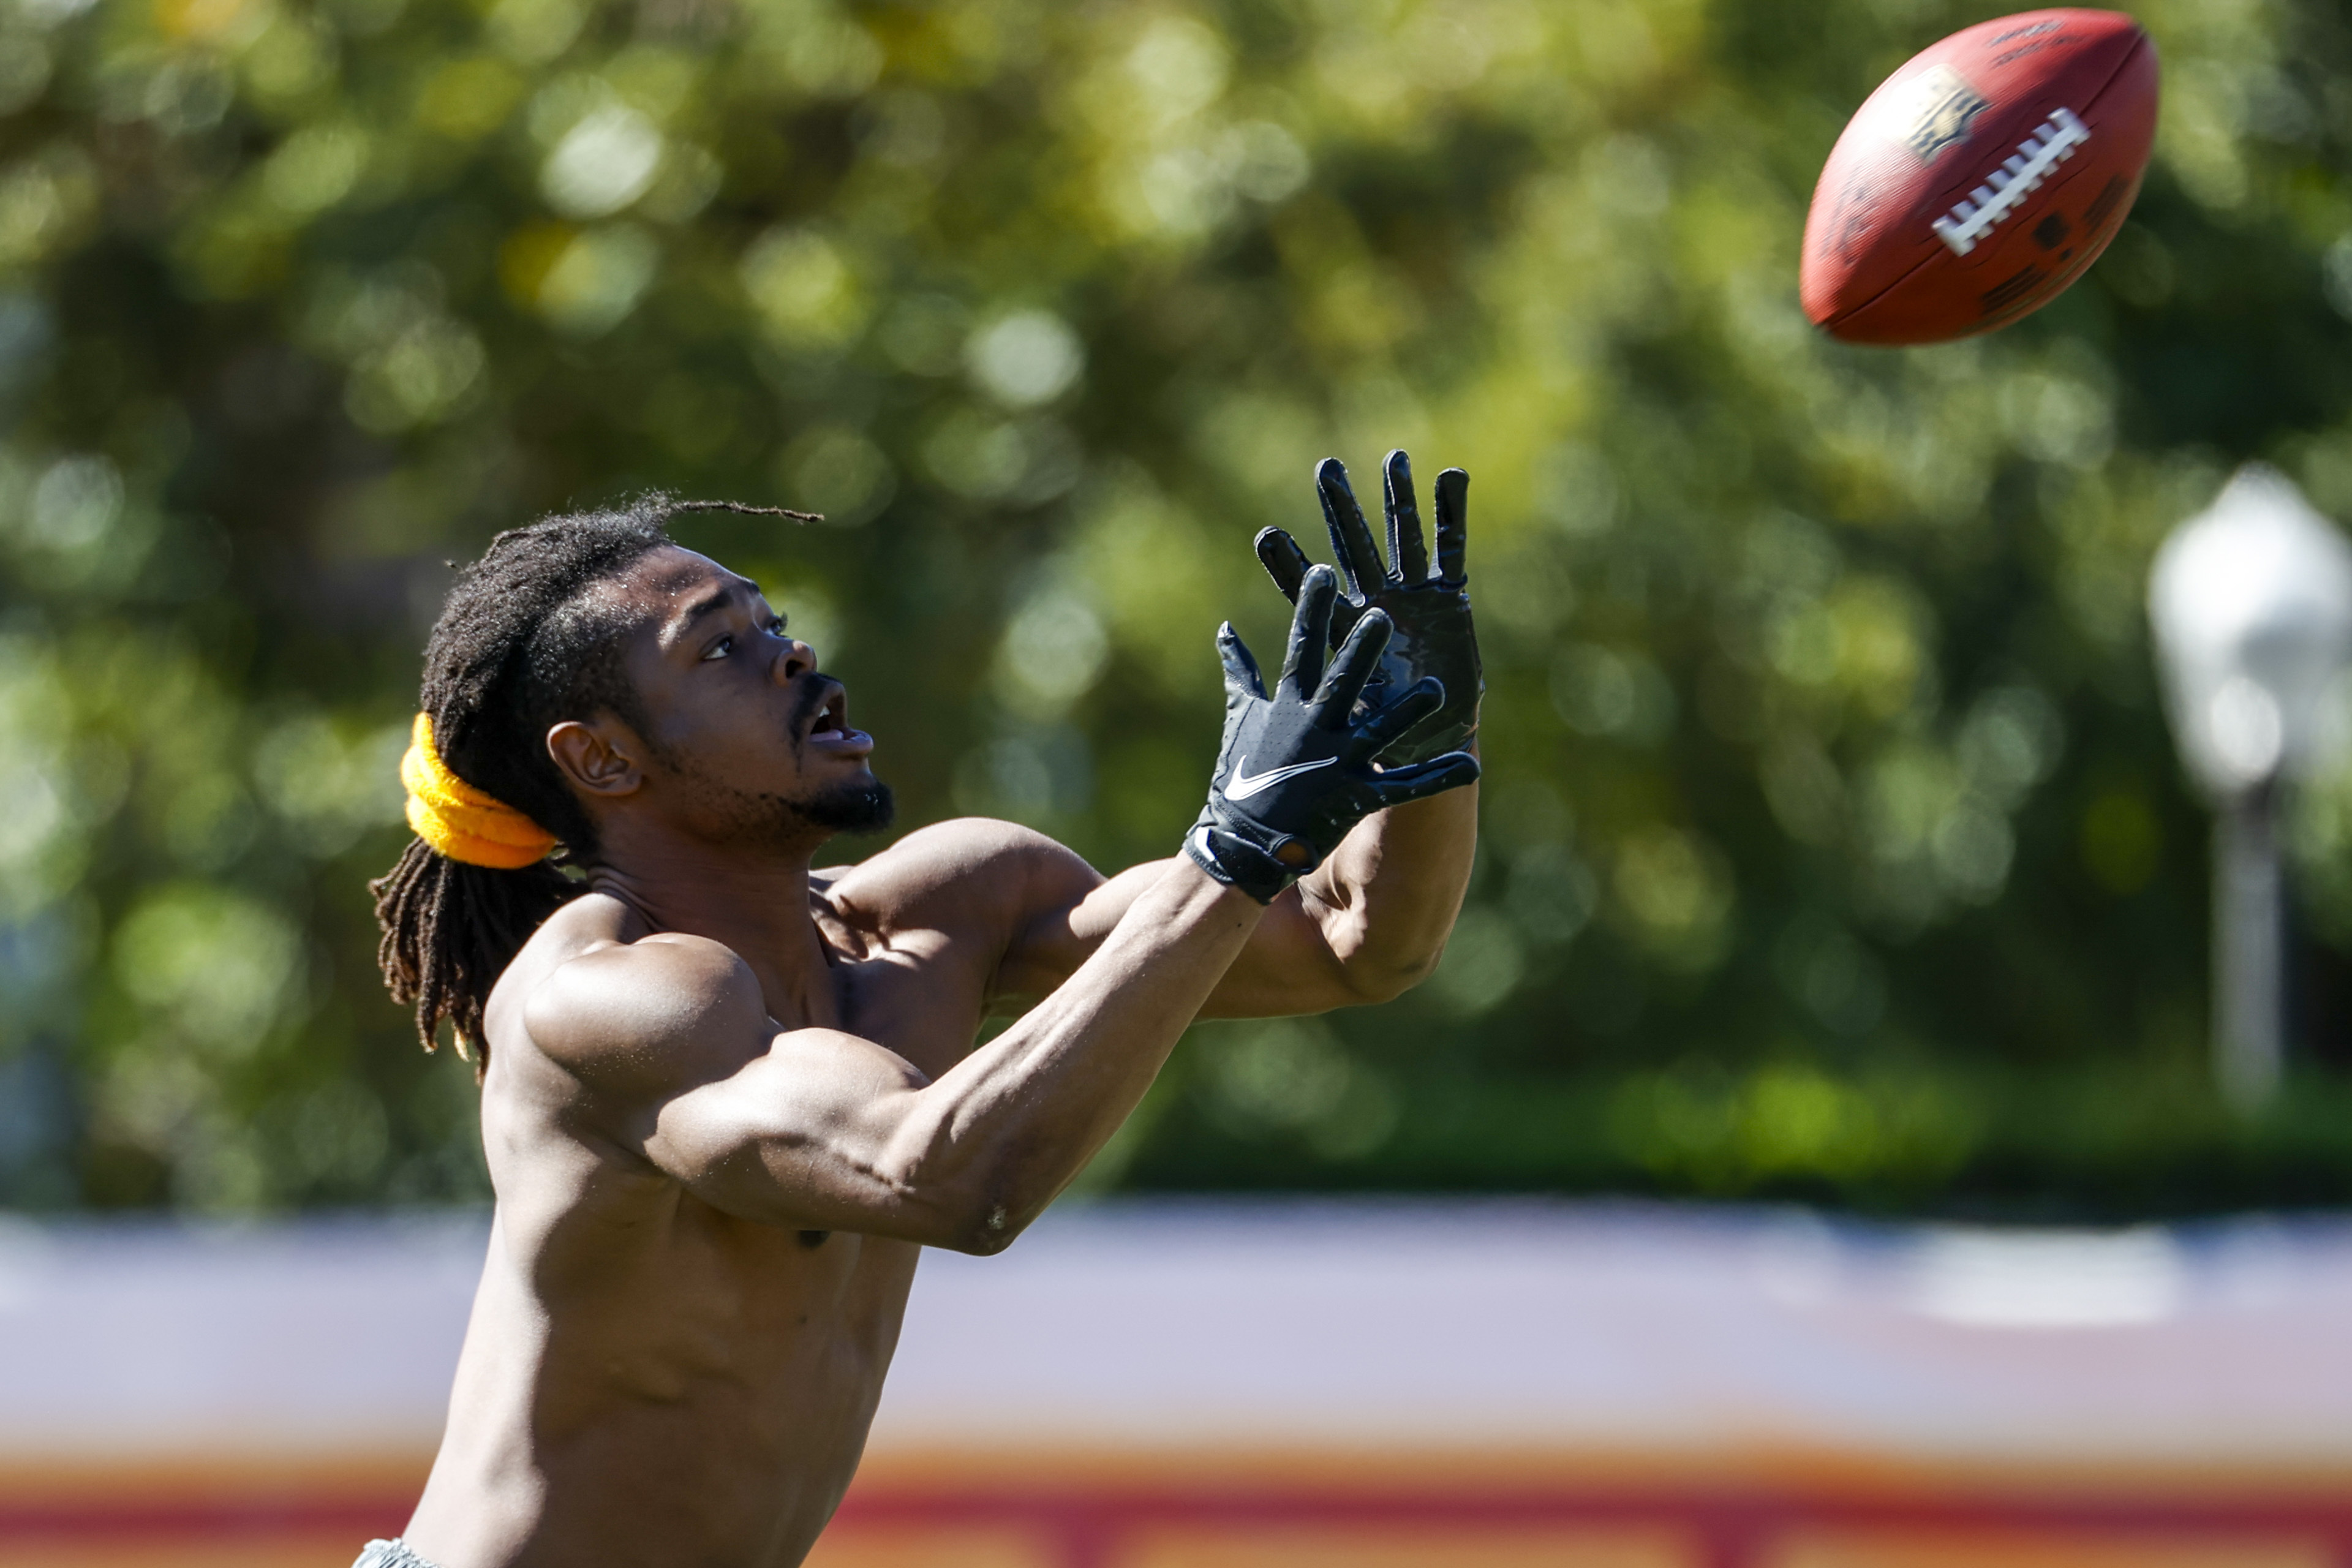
(390, 1555)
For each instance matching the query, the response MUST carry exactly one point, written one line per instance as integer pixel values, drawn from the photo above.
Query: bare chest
(918, 994)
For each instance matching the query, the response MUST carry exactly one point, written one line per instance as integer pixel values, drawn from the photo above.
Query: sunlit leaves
(603, 163)
(1052, 653)
(1725, 1133)
(1027, 358)
(467, 97)
(314, 169)
(410, 362)
(46, 790)
(836, 471)
(582, 282)
(211, 966)
(23, 70)
(330, 783)
(1816, 695)
(812, 46)
(48, 200)
(806, 291)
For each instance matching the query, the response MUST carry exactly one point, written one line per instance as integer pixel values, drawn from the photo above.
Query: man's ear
(599, 758)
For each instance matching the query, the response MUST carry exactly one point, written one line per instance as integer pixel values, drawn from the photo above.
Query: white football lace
(2015, 179)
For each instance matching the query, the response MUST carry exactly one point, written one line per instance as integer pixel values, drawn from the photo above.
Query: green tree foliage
(1834, 844)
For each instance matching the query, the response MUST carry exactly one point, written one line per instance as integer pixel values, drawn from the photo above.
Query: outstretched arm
(669, 1034)
(1369, 925)
(816, 1128)
(1373, 919)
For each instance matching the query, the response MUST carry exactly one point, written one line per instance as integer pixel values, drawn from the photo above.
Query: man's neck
(754, 899)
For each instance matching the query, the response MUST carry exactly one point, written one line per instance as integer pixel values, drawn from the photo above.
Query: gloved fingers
(1351, 536)
(1383, 729)
(1453, 502)
(1283, 560)
(1401, 786)
(1352, 667)
(1287, 565)
(1241, 668)
(1408, 553)
(1310, 631)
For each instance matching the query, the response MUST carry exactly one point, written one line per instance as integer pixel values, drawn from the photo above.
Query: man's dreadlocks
(524, 643)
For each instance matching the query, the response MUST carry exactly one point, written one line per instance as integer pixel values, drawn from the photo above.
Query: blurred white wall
(1159, 1325)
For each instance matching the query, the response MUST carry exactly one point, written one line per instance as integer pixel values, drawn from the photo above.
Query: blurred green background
(1835, 849)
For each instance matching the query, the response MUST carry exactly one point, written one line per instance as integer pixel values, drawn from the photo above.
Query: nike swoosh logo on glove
(1247, 784)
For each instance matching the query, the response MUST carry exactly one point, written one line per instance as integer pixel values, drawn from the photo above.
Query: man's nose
(797, 660)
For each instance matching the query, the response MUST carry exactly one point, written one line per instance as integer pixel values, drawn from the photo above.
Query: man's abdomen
(698, 1400)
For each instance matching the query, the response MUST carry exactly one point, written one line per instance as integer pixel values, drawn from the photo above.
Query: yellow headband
(459, 820)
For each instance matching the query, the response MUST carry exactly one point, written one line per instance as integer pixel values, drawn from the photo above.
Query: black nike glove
(1431, 611)
(1296, 770)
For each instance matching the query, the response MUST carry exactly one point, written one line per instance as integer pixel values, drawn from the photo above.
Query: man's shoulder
(605, 1004)
(965, 868)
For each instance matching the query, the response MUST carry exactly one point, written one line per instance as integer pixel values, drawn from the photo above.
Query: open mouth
(831, 720)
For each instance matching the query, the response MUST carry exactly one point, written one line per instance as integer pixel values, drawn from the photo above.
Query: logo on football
(1943, 108)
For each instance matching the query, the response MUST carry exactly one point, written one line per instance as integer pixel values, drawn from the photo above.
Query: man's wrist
(1233, 860)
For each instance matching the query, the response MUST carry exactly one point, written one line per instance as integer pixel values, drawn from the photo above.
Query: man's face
(750, 742)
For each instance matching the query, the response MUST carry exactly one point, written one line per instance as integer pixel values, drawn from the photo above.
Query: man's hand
(1430, 611)
(1295, 772)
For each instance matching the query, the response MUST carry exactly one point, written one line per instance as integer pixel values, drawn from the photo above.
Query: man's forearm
(1022, 1115)
(1387, 899)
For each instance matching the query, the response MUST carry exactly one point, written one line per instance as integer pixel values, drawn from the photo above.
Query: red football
(1981, 178)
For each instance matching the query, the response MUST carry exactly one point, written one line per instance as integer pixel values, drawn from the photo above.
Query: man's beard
(846, 808)
(756, 818)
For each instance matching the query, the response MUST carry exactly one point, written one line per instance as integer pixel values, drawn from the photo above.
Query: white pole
(2249, 951)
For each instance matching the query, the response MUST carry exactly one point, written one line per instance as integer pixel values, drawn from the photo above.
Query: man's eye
(719, 649)
(777, 625)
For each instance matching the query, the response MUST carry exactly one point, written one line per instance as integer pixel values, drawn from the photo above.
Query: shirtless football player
(727, 1099)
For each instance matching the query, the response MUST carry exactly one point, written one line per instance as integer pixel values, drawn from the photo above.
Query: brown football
(1981, 178)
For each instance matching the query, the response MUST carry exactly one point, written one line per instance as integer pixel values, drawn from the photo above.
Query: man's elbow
(1370, 980)
(975, 1228)
(970, 1210)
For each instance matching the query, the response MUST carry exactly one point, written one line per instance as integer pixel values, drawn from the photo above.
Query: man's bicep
(817, 1132)
(679, 1065)
(1006, 896)
(1064, 910)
